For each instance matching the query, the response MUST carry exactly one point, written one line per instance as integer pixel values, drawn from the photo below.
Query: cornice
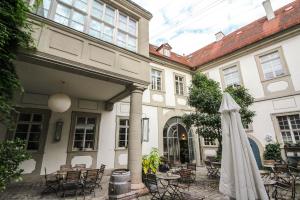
(135, 7)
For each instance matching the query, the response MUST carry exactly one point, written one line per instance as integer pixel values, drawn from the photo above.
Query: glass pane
(77, 17)
(132, 27)
(91, 120)
(97, 10)
(22, 136)
(94, 33)
(63, 11)
(37, 118)
(81, 5)
(79, 130)
(78, 136)
(78, 144)
(36, 128)
(131, 43)
(109, 16)
(121, 143)
(33, 146)
(123, 121)
(67, 1)
(34, 137)
(108, 34)
(96, 25)
(61, 20)
(122, 137)
(24, 117)
(121, 39)
(89, 144)
(22, 128)
(89, 136)
(123, 22)
(81, 120)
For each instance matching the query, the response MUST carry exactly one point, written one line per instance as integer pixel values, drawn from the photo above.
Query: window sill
(78, 151)
(121, 148)
(274, 79)
(158, 91)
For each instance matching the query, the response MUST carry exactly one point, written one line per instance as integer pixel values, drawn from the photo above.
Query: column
(134, 138)
(197, 149)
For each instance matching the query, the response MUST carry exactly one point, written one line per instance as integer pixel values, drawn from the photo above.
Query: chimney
(269, 10)
(219, 36)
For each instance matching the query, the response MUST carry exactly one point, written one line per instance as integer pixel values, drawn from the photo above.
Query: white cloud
(190, 25)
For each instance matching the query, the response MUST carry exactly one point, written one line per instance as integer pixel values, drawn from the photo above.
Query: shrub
(12, 153)
(272, 152)
(151, 162)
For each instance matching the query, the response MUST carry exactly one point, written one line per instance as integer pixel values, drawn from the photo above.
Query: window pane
(89, 144)
(24, 117)
(121, 39)
(33, 146)
(231, 76)
(109, 16)
(95, 28)
(81, 5)
(123, 121)
(77, 21)
(132, 27)
(37, 118)
(21, 135)
(36, 128)
(131, 43)
(108, 34)
(35, 137)
(97, 10)
(271, 65)
(62, 14)
(123, 22)
(22, 128)
(67, 1)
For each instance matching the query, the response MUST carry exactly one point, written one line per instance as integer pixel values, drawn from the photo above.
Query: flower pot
(269, 162)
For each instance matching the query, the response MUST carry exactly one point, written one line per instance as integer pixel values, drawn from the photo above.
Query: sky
(188, 25)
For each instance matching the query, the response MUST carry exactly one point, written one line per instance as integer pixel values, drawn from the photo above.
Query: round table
(170, 188)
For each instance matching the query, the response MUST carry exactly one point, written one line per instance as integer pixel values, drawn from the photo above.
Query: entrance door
(176, 141)
(256, 152)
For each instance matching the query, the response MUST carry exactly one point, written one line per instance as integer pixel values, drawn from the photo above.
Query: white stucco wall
(151, 113)
(262, 122)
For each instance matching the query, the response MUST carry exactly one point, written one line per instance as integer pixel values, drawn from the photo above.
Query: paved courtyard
(32, 190)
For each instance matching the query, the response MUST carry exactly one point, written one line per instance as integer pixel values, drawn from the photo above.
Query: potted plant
(151, 162)
(272, 153)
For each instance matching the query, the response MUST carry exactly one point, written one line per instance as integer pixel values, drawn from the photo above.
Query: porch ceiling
(44, 80)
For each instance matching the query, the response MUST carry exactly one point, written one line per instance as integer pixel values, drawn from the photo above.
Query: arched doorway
(256, 152)
(178, 142)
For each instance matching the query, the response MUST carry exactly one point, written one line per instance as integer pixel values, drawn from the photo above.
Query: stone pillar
(197, 149)
(134, 138)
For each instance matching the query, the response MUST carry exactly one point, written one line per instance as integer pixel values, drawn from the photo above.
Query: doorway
(178, 142)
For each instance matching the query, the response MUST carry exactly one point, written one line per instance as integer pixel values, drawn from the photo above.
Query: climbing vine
(15, 33)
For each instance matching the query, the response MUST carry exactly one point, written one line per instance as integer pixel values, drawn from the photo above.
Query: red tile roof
(286, 17)
(173, 57)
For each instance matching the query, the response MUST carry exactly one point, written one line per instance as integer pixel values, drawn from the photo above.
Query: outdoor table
(171, 189)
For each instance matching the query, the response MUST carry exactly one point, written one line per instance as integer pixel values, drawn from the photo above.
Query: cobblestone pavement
(32, 190)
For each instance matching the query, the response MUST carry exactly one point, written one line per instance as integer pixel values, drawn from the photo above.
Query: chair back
(80, 166)
(91, 175)
(65, 167)
(102, 168)
(192, 166)
(281, 168)
(151, 183)
(207, 164)
(73, 176)
(185, 173)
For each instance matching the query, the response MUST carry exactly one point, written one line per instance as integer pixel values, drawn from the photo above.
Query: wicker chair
(51, 183)
(72, 183)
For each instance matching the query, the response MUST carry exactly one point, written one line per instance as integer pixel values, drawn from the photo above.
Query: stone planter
(269, 162)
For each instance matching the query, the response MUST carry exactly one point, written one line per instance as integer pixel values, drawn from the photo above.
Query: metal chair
(152, 185)
(193, 168)
(100, 176)
(72, 182)
(90, 181)
(186, 178)
(51, 183)
(65, 167)
(212, 171)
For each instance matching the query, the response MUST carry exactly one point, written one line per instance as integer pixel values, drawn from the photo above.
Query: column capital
(137, 88)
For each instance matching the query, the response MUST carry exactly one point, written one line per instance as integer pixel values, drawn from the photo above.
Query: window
(84, 131)
(71, 15)
(209, 141)
(29, 128)
(231, 76)
(123, 130)
(271, 65)
(289, 126)
(179, 85)
(166, 52)
(105, 22)
(156, 83)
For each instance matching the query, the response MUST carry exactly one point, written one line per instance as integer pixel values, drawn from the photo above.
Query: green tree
(15, 33)
(205, 96)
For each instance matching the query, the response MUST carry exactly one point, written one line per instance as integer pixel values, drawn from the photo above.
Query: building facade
(128, 96)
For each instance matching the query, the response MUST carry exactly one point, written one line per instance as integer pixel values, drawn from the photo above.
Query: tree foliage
(205, 95)
(15, 33)
(12, 153)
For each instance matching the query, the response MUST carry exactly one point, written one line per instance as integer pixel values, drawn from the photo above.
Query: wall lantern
(59, 102)
(145, 129)
(58, 130)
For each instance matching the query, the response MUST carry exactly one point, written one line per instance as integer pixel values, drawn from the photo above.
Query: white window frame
(211, 143)
(118, 126)
(155, 78)
(181, 90)
(290, 130)
(223, 75)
